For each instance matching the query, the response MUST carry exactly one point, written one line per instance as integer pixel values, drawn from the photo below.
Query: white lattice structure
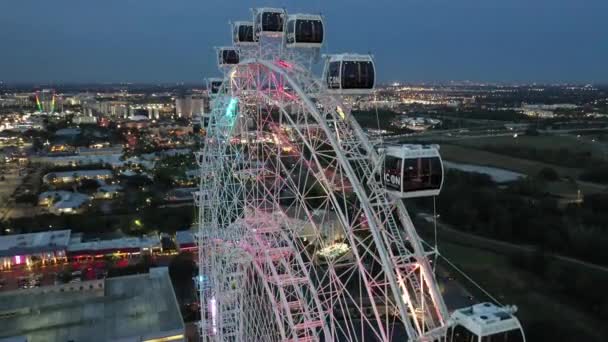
(298, 239)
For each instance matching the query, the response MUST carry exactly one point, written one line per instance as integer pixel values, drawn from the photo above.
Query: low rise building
(140, 307)
(186, 240)
(180, 195)
(47, 198)
(78, 160)
(539, 113)
(67, 132)
(72, 203)
(84, 119)
(76, 175)
(128, 246)
(61, 245)
(63, 202)
(108, 192)
(99, 150)
(25, 249)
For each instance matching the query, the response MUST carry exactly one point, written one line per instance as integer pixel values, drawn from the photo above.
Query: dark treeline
(597, 174)
(523, 213)
(595, 169)
(150, 219)
(371, 119)
(561, 157)
(483, 114)
(578, 286)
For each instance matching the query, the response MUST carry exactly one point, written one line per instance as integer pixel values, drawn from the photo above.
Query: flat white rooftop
(150, 241)
(132, 308)
(24, 244)
(77, 173)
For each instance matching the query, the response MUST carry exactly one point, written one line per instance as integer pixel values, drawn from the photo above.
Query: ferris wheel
(303, 234)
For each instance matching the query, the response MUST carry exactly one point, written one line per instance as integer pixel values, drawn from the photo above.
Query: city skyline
(515, 42)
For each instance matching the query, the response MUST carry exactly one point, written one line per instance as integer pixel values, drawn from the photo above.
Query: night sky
(412, 40)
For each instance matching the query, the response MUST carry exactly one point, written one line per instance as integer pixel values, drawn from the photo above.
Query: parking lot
(73, 272)
(24, 278)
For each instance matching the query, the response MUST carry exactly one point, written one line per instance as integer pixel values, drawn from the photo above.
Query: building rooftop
(184, 237)
(112, 159)
(181, 194)
(175, 152)
(71, 200)
(68, 131)
(53, 194)
(102, 150)
(78, 173)
(110, 188)
(139, 307)
(150, 241)
(24, 244)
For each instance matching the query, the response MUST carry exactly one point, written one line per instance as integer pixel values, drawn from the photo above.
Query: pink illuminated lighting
(284, 64)
(286, 94)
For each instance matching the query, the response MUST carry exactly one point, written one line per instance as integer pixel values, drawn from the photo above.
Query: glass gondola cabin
(214, 85)
(269, 21)
(227, 56)
(350, 74)
(412, 170)
(304, 30)
(242, 33)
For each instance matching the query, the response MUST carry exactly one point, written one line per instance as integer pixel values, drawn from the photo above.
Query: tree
(548, 174)
(532, 132)
(164, 177)
(168, 220)
(88, 185)
(27, 198)
(597, 174)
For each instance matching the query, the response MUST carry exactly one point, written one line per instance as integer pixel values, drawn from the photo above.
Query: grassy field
(550, 315)
(542, 314)
(543, 142)
(471, 155)
(382, 120)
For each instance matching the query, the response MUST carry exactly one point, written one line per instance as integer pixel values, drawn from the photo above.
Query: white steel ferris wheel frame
(397, 288)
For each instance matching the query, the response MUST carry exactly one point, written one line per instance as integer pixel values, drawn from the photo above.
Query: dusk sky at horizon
(412, 40)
